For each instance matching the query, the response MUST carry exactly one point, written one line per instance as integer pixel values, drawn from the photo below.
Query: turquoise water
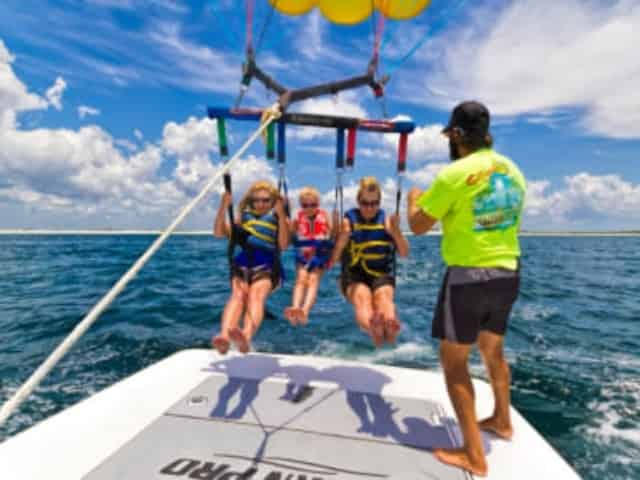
(573, 343)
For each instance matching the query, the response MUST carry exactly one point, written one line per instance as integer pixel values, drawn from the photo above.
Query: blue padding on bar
(340, 148)
(282, 146)
(215, 112)
(404, 127)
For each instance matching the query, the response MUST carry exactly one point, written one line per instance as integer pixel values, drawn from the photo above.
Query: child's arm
(341, 241)
(334, 223)
(293, 227)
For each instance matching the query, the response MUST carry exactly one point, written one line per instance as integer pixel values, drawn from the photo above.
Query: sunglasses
(374, 203)
(309, 205)
(261, 200)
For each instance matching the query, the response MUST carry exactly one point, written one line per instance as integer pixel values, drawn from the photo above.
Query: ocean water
(573, 342)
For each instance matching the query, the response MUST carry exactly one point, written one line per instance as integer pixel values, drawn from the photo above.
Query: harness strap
(359, 257)
(260, 223)
(364, 226)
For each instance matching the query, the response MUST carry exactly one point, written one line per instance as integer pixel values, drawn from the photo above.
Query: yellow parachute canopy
(348, 12)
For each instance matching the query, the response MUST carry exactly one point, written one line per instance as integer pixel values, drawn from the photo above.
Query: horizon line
(125, 231)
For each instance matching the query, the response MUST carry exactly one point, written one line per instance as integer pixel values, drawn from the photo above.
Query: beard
(454, 153)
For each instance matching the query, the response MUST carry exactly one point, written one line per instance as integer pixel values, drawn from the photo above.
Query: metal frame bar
(314, 120)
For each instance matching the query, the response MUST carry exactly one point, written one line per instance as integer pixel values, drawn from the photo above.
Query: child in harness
(312, 230)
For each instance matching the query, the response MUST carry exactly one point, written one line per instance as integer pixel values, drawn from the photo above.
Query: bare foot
(289, 314)
(391, 330)
(459, 458)
(303, 317)
(221, 344)
(377, 329)
(240, 339)
(499, 429)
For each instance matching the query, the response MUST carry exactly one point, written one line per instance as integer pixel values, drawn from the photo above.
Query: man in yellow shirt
(478, 199)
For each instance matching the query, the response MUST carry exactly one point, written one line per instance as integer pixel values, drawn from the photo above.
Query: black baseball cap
(471, 116)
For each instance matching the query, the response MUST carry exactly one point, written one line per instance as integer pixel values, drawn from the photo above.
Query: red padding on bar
(351, 147)
(402, 152)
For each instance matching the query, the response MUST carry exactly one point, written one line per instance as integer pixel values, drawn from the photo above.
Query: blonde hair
(256, 186)
(309, 192)
(369, 185)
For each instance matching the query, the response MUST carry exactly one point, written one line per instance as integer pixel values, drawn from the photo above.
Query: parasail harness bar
(314, 120)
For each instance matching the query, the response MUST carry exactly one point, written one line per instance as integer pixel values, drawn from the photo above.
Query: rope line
(429, 32)
(265, 26)
(249, 33)
(25, 390)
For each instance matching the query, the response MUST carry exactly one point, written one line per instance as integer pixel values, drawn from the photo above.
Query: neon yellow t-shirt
(478, 200)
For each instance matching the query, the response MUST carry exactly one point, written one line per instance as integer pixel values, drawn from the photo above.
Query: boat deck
(267, 417)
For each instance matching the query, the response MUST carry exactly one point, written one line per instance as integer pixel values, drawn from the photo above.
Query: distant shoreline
(26, 231)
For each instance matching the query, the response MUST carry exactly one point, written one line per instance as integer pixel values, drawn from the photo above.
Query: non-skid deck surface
(233, 428)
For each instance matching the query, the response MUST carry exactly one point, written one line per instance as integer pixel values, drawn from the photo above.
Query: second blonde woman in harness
(366, 245)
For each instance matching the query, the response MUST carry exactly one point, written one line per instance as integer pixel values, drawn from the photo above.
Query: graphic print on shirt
(499, 205)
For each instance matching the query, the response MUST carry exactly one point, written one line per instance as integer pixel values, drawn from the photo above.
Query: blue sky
(102, 104)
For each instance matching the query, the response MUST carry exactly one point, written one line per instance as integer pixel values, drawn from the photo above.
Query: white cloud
(426, 143)
(584, 196)
(542, 57)
(425, 175)
(84, 175)
(85, 111)
(345, 104)
(192, 142)
(189, 64)
(54, 93)
(138, 134)
(170, 5)
(194, 137)
(14, 97)
(126, 144)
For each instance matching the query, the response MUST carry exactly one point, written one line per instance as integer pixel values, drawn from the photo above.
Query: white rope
(25, 390)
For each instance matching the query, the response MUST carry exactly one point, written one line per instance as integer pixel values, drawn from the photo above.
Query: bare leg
(361, 298)
(258, 293)
(470, 457)
(491, 349)
(231, 314)
(384, 306)
(313, 281)
(293, 313)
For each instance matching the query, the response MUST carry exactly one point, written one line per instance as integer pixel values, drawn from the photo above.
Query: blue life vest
(370, 247)
(262, 231)
(258, 238)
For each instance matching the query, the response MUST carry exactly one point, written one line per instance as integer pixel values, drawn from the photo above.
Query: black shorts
(251, 275)
(360, 276)
(472, 300)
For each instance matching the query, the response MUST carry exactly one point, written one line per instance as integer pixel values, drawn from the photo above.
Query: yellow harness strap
(248, 226)
(364, 226)
(358, 256)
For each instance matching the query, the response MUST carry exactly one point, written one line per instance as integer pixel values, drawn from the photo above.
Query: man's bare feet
(458, 458)
(290, 314)
(376, 326)
(221, 344)
(391, 330)
(500, 429)
(240, 339)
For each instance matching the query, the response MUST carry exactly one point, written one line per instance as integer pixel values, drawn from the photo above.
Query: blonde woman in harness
(312, 230)
(366, 244)
(261, 232)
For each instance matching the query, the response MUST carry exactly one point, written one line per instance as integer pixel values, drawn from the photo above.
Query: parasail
(348, 12)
